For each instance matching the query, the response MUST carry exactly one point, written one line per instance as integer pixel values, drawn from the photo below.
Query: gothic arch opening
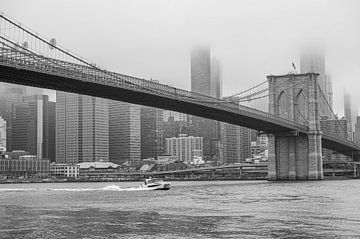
(301, 107)
(283, 105)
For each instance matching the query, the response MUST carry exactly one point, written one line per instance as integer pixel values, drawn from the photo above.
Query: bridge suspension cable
(252, 88)
(334, 115)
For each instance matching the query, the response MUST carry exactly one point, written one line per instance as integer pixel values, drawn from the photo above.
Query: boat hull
(162, 186)
(165, 186)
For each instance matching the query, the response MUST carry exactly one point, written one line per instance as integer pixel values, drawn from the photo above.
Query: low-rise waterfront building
(24, 166)
(166, 159)
(65, 170)
(97, 169)
(16, 154)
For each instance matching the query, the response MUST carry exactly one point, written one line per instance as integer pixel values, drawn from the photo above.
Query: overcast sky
(153, 39)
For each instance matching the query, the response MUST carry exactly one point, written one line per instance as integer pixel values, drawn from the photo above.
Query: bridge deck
(34, 70)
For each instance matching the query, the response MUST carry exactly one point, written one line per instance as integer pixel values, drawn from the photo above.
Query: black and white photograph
(179, 119)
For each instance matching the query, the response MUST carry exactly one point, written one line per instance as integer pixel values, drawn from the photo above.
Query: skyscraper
(200, 70)
(152, 132)
(347, 111)
(185, 147)
(124, 136)
(312, 59)
(350, 112)
(216, 78)
(204, 83)
(2, 133)
(34, 91)
(82, 128)
(9, 95)
(175, 123)
(177, 116)
(31, 125)
(357, 130)
(236, 143)
(52, 130)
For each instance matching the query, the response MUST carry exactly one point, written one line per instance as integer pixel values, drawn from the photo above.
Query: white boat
(156, 184)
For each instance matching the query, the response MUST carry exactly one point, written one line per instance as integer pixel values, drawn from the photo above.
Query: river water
(212, 209)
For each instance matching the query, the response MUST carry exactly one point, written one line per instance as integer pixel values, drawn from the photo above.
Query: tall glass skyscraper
(31, 126)
(152, 132)
(10, 94)
(82, 128)
(124, 135)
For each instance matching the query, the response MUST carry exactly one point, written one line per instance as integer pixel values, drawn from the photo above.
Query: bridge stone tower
(294, 155)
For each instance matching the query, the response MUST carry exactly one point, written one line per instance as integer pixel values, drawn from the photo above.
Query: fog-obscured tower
(205, 79)
(350, 113)
(312, 59)
(200, 70)
(216, 78)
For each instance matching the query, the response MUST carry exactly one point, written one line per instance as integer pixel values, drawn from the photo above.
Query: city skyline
(284, 96)
(246, 58)
(243, 113)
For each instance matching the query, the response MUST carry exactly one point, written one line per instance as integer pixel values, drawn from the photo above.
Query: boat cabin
(152, 180)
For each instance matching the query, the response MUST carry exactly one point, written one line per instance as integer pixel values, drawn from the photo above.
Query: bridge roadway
(35, 70)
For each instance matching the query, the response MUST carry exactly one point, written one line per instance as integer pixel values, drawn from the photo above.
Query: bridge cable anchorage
(335, 117)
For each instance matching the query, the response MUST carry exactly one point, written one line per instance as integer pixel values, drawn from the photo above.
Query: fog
(153, 39)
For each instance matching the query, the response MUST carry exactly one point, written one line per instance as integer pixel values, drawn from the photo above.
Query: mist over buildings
(251, 38)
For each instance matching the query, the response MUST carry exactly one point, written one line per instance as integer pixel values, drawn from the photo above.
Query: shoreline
(327, 178)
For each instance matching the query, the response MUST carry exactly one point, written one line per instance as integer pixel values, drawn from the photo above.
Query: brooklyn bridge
(291, 119)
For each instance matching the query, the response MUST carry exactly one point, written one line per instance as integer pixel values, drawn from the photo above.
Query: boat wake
(117, 188)
(106, 188)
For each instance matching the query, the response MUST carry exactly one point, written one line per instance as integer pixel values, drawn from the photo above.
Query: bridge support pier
(295, 157)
